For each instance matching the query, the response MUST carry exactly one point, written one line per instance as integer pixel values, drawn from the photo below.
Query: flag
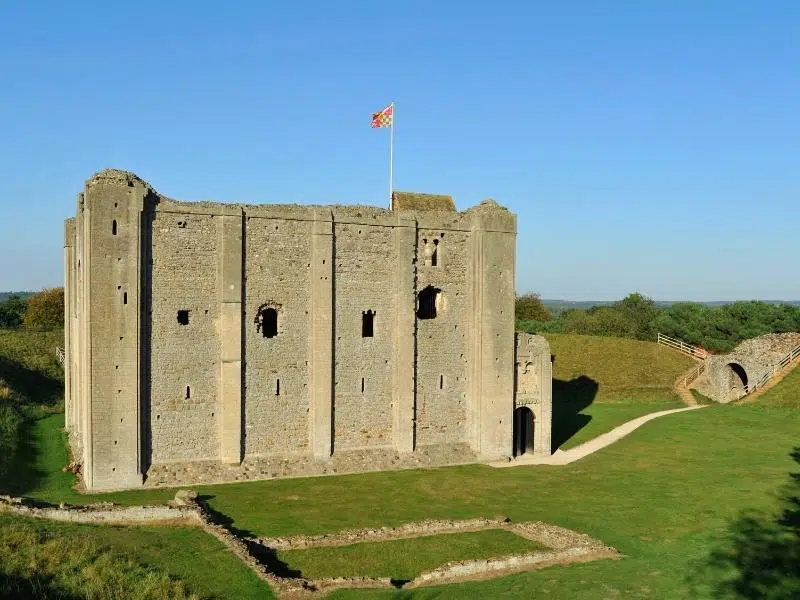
(383, 118)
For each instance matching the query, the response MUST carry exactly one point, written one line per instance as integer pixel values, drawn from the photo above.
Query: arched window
(427, 301)
(267, 320)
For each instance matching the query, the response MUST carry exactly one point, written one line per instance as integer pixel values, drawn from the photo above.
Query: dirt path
(565, 457)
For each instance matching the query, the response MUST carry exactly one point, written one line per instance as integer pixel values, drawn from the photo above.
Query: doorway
(523, 431)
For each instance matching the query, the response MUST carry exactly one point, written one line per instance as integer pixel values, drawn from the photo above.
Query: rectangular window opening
(114, 227)
(368, 323)
(125, 297)
(188, 392)
(183, 317)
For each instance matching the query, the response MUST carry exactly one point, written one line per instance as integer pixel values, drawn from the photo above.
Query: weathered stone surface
(213, 342)
(730, 376)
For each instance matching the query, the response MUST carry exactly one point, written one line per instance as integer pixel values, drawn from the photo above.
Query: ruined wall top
(422, 202)
(116, 176)
(434, 208)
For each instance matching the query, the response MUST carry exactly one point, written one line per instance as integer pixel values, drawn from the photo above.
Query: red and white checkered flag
(383, 118)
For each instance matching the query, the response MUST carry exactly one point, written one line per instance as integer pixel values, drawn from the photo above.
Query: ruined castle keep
(224, 341)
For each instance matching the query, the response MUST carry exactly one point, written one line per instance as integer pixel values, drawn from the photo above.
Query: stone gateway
(219, 342)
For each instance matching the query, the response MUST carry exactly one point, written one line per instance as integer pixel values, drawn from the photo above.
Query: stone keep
(231, 334)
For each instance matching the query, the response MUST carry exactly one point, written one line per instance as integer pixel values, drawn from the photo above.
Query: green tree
(12, 311)
(45, 309)
(529, 307)
(638, 313)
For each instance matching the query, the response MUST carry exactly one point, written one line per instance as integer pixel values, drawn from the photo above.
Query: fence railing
(694, 374)
(776, 368)
(681, 346)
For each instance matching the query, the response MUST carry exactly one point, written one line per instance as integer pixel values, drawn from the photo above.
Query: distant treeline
(43, 310)
(716, 327)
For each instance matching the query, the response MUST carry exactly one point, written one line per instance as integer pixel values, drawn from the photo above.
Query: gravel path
(565, 457)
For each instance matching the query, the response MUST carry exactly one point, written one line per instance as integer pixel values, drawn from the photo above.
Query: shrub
(529, 307)
(45, 309)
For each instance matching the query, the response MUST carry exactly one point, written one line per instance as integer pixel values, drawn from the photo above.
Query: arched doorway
(737, 381)
(523, 431)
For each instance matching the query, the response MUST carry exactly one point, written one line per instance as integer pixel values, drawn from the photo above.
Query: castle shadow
(30, 387)
(266, 556)
(32, 395)
(569, 399)
(761, 555)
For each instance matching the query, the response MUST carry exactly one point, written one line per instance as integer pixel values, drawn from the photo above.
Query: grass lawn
(571, 428)
(608, 369)
(72, 561)
(786, 393)
(404, 559)
(665, 496)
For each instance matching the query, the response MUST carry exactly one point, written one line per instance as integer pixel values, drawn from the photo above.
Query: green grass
(119, 562)
(785, 393)
(665, 496)
(608, 369)
(601, 418)
(404, 559)
(41, 477)
(702, 398)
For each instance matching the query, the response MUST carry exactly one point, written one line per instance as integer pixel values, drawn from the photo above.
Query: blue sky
(644, 146)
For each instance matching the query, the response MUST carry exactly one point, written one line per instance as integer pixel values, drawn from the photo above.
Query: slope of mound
(609, 369)
(785, 393)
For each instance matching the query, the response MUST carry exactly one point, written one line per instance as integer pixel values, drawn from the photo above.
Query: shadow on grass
(35, 588)
(760, 557)
(569, 399)
(32, 388)
(266, 556)
(33, 394)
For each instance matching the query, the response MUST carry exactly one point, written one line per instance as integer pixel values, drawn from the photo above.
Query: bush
(12, 311)
(529, 307)
(45, 309)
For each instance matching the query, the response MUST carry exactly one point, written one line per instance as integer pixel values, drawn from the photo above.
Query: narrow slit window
(441, 382)
(125, 297)
(183, 317)
(368, 323)
(277, 387)
(188, 392)
(114, 227)
(362, 385)
(435, 255)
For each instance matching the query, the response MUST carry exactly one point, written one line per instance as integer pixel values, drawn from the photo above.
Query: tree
(529, 307)
(12, 311)
(45, 309)
(638, 312)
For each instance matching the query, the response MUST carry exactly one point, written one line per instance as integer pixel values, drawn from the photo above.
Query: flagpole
(391, 159)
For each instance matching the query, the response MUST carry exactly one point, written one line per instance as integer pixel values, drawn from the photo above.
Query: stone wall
(205, 332)
(729, 376)
(533, 391)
